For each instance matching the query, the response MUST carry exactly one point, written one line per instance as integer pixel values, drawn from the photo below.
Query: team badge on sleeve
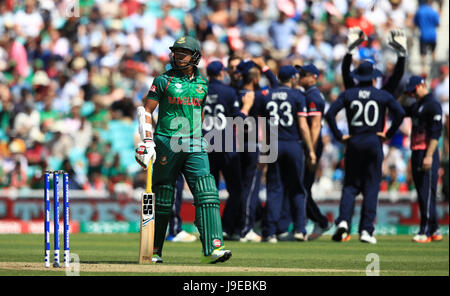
(199, 89)
(153, 88)
(437, 117)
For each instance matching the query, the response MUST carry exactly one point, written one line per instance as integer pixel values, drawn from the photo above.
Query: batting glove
(354, 38)
(398, 41)
(144, 152)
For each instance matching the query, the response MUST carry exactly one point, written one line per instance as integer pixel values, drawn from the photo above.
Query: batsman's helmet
(191, 44)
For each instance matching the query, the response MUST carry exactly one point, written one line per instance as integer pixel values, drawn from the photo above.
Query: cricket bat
(147, 227)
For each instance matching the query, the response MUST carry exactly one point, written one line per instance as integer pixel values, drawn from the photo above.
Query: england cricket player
(426, 115)
(365, 108)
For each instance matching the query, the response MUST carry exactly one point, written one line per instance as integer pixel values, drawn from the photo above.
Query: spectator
(27, 121)
(357, 18)
(283, 30)
(143, 19)
(130, 7)
(195, 15)
(28, 22)
(6, 17)
(319, 50)
(74, 72)
(17, 55)
(427, 20)
(73, 178)
(95, 156)
(169, 22)
(18, 176)
(441, 91)
(161, 44)
(58, 45)
(253, 33)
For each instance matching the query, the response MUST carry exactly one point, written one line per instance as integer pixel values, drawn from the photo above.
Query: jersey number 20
(358, 118)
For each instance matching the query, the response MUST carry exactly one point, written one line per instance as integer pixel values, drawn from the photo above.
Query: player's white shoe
(227, 237)
(318, 231)
(251, 236)
(271, 239)
(285, 237)
(218, 255)
(421, 238)
(300, 237)
(184, 237)
(367, 238)
(156, 259)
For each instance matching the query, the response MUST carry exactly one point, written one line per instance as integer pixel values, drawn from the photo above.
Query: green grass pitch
(100, 253)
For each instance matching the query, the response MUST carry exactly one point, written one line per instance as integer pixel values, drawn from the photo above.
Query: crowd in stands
(73, 72)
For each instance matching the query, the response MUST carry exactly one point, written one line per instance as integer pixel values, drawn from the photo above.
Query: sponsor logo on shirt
(188, 101)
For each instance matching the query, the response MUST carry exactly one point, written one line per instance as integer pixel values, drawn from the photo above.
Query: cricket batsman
(177, 145)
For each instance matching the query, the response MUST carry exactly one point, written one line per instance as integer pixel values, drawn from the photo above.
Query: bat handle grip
(148, 188)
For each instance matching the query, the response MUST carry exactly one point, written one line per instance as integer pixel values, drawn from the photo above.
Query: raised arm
(345, 69)
(265, 70)
(398, 41)
(355, 37)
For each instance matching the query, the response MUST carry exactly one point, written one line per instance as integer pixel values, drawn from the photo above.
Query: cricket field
(117, 255)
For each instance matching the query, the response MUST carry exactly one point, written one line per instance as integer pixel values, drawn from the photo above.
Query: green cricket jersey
(180, 103)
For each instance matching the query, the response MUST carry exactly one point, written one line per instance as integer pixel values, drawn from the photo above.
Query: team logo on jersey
(153, 88)
(163, 160)
(312, 106)
(199, 89)
(217, 243)
(437, 117)
(178, 87)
